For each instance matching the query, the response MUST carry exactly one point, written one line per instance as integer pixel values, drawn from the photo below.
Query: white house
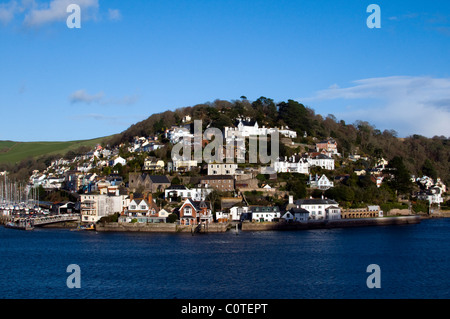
(95, 206)
(144, 210)
(181, 191)
(433, 195)
(285, 131)
(178, 133)
(322, 183)
(323, 161)
(180, 165)
(295, 164)
(236, 212)
(264, 213)
(222, 169)
(296, 214)
(320, 209)
(117, 160)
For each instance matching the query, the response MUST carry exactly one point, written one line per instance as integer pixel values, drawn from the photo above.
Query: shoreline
(265, 226)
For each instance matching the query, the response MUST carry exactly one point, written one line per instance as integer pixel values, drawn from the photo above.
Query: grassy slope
(14, 152)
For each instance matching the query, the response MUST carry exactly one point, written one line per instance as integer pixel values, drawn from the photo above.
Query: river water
(414, 262)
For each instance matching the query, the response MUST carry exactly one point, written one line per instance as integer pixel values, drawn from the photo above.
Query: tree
(401, 181)
(172, 218)
(429, 170)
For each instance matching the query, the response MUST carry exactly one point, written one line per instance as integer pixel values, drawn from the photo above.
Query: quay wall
(157, 228)
(342, 223)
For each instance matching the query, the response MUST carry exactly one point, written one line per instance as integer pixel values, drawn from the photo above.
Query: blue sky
(131, 59)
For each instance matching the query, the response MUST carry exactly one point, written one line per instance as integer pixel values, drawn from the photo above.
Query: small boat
(85, 227)
(21, 226)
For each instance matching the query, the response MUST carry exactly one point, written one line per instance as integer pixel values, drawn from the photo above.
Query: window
(132, 206)
(143, 207)
(187, 211)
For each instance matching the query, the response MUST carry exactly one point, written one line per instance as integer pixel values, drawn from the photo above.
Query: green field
(14, 152)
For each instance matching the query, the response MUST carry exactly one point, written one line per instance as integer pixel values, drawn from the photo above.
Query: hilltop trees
(360, 137)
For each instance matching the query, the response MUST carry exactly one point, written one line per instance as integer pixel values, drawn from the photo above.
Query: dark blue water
(414, 262)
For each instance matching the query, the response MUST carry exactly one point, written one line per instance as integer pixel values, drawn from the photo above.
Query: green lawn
(14, 152)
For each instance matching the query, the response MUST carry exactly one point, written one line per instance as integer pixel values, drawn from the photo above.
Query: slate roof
(315, 201)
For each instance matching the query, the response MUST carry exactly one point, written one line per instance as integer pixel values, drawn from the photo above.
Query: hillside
(422, 155)
(15, 152)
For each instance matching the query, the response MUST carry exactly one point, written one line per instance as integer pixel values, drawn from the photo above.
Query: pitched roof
(214, 177)
(315, 201)
(160, 179)
(295, 210)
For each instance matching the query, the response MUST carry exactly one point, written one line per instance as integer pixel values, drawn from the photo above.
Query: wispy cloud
(8, 11)
(408, 104)
(114, 15)
(56, 10)
(81, 96)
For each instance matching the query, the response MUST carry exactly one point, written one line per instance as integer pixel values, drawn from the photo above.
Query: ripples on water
(414, 261)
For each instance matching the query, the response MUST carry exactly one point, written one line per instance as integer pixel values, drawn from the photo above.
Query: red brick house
(194, 213)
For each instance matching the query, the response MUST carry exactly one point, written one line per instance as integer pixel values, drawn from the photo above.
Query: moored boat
(19, 226)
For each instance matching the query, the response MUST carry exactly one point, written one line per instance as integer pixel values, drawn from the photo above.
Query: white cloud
(8, 11)
(81, 96)
(407, 104)
(114, 15)
(56, 10)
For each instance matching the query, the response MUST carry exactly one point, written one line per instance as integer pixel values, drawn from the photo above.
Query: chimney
(131, 196)
(291, 199)
(150, 198)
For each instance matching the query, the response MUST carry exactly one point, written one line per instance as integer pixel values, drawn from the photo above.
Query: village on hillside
(132, 183)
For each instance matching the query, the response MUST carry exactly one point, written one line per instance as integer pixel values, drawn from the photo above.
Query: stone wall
(157, 228)
(341, 223)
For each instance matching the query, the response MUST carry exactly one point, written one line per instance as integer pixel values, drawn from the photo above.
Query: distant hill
(15, 152)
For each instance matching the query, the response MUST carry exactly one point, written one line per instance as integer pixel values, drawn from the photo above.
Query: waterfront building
(238, 212)
(364, 212)
(296, 214)
(264, 213)
(143, 210)
(108, 202)
(320, 209)
(195, 212)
